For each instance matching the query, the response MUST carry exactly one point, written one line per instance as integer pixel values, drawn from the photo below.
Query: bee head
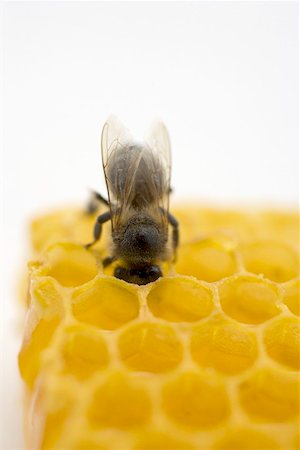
(142, 275)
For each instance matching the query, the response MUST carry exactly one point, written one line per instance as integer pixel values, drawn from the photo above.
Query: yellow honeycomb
(207, 357)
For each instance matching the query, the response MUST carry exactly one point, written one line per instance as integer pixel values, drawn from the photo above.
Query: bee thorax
(140, 243)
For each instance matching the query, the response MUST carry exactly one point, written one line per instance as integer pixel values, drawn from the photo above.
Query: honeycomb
(206, 357)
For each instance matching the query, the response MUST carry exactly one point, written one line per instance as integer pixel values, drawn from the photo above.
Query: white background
(223, 77)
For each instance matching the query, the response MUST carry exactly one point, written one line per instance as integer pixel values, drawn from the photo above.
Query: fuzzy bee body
(138, 184)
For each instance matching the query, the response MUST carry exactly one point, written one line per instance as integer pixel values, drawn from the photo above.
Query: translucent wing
(158, 141)
(115, 137)
(137, 175)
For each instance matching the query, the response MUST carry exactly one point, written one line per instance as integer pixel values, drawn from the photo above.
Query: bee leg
(175, 233)
(92, 204)
(108, 260)
(105, 217)
(100, 198)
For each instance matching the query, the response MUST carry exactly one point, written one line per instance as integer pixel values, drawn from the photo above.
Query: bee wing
(158, 141)
(137, 176)
(114, 138)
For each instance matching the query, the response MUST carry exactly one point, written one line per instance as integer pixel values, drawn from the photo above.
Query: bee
(137, 177)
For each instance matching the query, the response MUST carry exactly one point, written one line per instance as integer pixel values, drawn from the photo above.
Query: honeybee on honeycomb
(206, 357)
(138, 185)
